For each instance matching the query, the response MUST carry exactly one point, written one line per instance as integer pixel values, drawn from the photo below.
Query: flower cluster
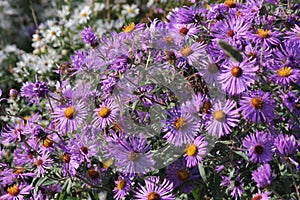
(202, 105)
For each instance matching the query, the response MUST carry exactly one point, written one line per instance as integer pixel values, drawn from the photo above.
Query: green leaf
(202, 172)
(230, 51)
(242, 154)
(62, 196)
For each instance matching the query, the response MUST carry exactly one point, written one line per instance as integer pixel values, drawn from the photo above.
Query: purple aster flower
(209, 70)
(181, 176)
(195, 151)
(236, 77)
(180, 127)
(237, 189)
(262, 176)
(89, 37)
(155, 190)
(267, 36)
(16, 133)
(259, 146)
(6, 176)
(34, 91)
(43, 162)
(105, 115)
(69, 117)
(70, 164)
(17, 192)
(120, 64)
(193, 53)
(83, 147)
(225, 181)
(258, 106)
(132, 155)
(93, 175)
(122, 187)
(293, 35)
(261, 196)
(78, 60)
(290, 100)
(223, 118)
(286, 145)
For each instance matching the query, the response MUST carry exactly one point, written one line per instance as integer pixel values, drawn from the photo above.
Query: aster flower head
(69, 117)
(262, 176)
(106, 114)
(195, 151)
(89, 37)
(259, 146)
(223, 118)
(131, 154)
(122, 187)
(43, 162)
(236, 77)
(180, 127)
(193, 53)
(181, 176)
(17, 191)
(34, 91)
(286, 145)
(269, 37)
(154, 190)
(258, 106)
(261, 196)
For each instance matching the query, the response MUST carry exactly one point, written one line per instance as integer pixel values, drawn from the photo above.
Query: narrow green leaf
(202, 172)
(230, 51)
(62, 196)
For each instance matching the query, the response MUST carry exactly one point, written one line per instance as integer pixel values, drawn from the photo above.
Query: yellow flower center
(230, 3)
(66, 158)
(83, 14)
(285, 71)
(13, 190)
(263, 33)
(185, 52)
(257, 102)
(121, 184)
(19, 170)
(129, 28)
(169, 40)
(69, 112)
(236, 71)
(191, 150)
(107, 163)
(183, 174)
(153, 196)
(47, 143)
(180, 123)
(130, 10)
(104, 112)
(219, 115)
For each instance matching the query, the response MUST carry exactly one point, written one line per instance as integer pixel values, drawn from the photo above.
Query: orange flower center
(263, 33)
(183, 174)
(185, 52)
(69, 112)
(129, 28)
(219, 115)
(13, 190)
(180, 123)
(236, 71)
(230, 3)
(153, 196)
(104, 112)
(133, 156)
(39, 162)
(84, 149)
(66, 158)
(47, 143)
(191, 150)
(93, 173)
(284, 71)
(121, 184)
(257, 197)
(257, 103)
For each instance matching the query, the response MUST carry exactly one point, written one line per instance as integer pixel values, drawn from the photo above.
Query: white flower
(130, 11)
(84, 14)
(52, 33)
(98, 7)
